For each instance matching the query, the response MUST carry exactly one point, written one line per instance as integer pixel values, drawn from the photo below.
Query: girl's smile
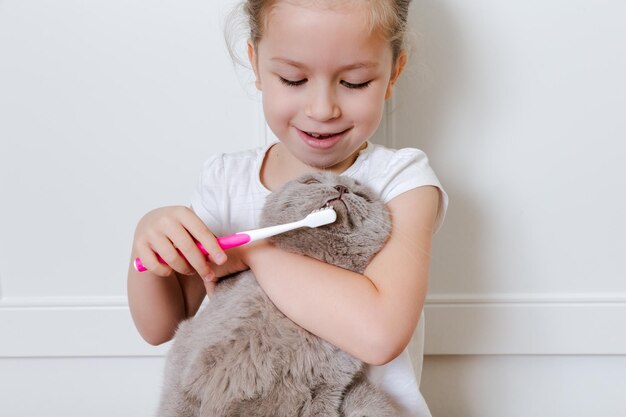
(321, 140)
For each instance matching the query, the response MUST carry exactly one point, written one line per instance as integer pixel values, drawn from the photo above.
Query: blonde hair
(388, 17)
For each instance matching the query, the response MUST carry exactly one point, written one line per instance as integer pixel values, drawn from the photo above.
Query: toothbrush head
(320, 217)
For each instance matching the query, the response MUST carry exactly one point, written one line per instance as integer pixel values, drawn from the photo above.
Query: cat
(241, 356)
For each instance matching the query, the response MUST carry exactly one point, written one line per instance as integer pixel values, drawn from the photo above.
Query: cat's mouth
(335, 202)
(342, 210)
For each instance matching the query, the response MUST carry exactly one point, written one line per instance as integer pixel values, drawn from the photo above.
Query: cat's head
(361, 228)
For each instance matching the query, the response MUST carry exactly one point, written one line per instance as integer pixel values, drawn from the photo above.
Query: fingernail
(220, 258)
(209, 277)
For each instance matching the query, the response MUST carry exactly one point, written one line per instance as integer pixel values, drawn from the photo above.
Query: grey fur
(241, 356)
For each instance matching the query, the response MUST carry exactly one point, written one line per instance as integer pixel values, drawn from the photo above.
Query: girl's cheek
(286, 101)
(367, 108)
(277, 108)
(278, 111)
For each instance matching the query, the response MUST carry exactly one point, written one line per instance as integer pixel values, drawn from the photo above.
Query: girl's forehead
(292, 20)
(321, 38)
(348, 9)
(323, 4)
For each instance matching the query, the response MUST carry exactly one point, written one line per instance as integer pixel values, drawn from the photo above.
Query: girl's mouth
(321, 140)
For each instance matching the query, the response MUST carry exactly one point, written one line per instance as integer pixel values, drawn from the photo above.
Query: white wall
(525, 122)
(107, 109)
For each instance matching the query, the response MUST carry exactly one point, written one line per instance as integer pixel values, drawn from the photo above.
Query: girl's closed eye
(292, 83)
(356, 85)
(296, 83)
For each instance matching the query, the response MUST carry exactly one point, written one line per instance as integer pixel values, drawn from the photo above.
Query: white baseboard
(526, 324)
(507, 324)
(70, 327)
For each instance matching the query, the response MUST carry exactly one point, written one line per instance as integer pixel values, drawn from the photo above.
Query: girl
(325, 69)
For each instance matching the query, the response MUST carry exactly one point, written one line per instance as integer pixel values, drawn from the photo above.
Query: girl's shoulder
(391, 172)
(386, 169)
(397, 159)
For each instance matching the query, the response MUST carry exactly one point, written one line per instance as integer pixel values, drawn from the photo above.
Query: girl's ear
(254, 63)
(397, 70)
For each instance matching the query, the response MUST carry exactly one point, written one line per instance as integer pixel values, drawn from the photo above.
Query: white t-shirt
(230, 197)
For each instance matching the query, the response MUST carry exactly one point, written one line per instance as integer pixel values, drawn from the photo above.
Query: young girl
(325, 69)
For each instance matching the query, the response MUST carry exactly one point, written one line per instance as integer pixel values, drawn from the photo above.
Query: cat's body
(241, 356)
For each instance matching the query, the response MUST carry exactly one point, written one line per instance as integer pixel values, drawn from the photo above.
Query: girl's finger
(202, 234)
(189, 249)
(209, 286)
(164, 247)
(151, 262)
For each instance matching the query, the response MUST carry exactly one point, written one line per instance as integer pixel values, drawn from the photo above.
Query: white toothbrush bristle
(321, 217)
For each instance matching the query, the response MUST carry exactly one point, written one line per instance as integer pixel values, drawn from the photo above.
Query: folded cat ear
(304, 179)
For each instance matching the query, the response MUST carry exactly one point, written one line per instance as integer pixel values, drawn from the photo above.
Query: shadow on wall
(433, 87)
(423, 109)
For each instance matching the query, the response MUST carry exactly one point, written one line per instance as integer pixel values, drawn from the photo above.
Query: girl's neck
(279, 166)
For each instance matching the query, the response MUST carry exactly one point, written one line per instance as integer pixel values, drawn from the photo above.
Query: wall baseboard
(456, 324)
(526, 324)
(70, 327)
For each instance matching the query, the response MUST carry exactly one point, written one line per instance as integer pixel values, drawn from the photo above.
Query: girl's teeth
(315, 135)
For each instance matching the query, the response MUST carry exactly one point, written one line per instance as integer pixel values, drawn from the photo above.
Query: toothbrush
(320, 217)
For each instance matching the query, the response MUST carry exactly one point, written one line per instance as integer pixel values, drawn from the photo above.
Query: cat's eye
(311, 181)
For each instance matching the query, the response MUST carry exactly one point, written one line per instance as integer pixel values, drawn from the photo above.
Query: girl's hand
(158, 305)
(236, 263)
(172, 233)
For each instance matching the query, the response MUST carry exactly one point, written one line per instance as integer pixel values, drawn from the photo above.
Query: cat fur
(240, 356)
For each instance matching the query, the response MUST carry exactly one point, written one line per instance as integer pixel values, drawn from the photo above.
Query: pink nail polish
(139, 266)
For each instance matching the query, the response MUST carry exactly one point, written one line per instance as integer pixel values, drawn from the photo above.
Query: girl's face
(324, 78)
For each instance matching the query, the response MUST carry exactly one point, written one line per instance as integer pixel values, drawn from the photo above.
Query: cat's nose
(342, 189)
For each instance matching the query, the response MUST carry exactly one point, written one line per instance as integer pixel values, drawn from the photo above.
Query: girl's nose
(322, 105)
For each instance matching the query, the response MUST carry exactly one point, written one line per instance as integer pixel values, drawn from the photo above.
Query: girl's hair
(389, 17)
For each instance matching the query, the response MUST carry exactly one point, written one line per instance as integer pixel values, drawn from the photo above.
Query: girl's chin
(328, 164)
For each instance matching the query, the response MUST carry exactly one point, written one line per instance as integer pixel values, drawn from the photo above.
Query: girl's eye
(356, 86)
(291, 83)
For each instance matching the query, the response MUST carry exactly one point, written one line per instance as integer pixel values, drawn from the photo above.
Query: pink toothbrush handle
(225, 242)
(231, 241)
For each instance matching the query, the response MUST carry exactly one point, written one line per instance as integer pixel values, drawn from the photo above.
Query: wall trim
(456, 324)
(70, 327)
(526, 324)
(62, 302)
(526, 298)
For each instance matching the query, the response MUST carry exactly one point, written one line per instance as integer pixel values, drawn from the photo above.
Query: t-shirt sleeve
(208, 197)
(410, 169)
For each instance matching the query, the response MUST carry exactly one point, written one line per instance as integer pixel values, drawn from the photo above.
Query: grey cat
(241, 356)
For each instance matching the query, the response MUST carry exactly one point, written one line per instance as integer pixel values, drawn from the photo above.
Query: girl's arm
(158, 303)
(371, 316)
